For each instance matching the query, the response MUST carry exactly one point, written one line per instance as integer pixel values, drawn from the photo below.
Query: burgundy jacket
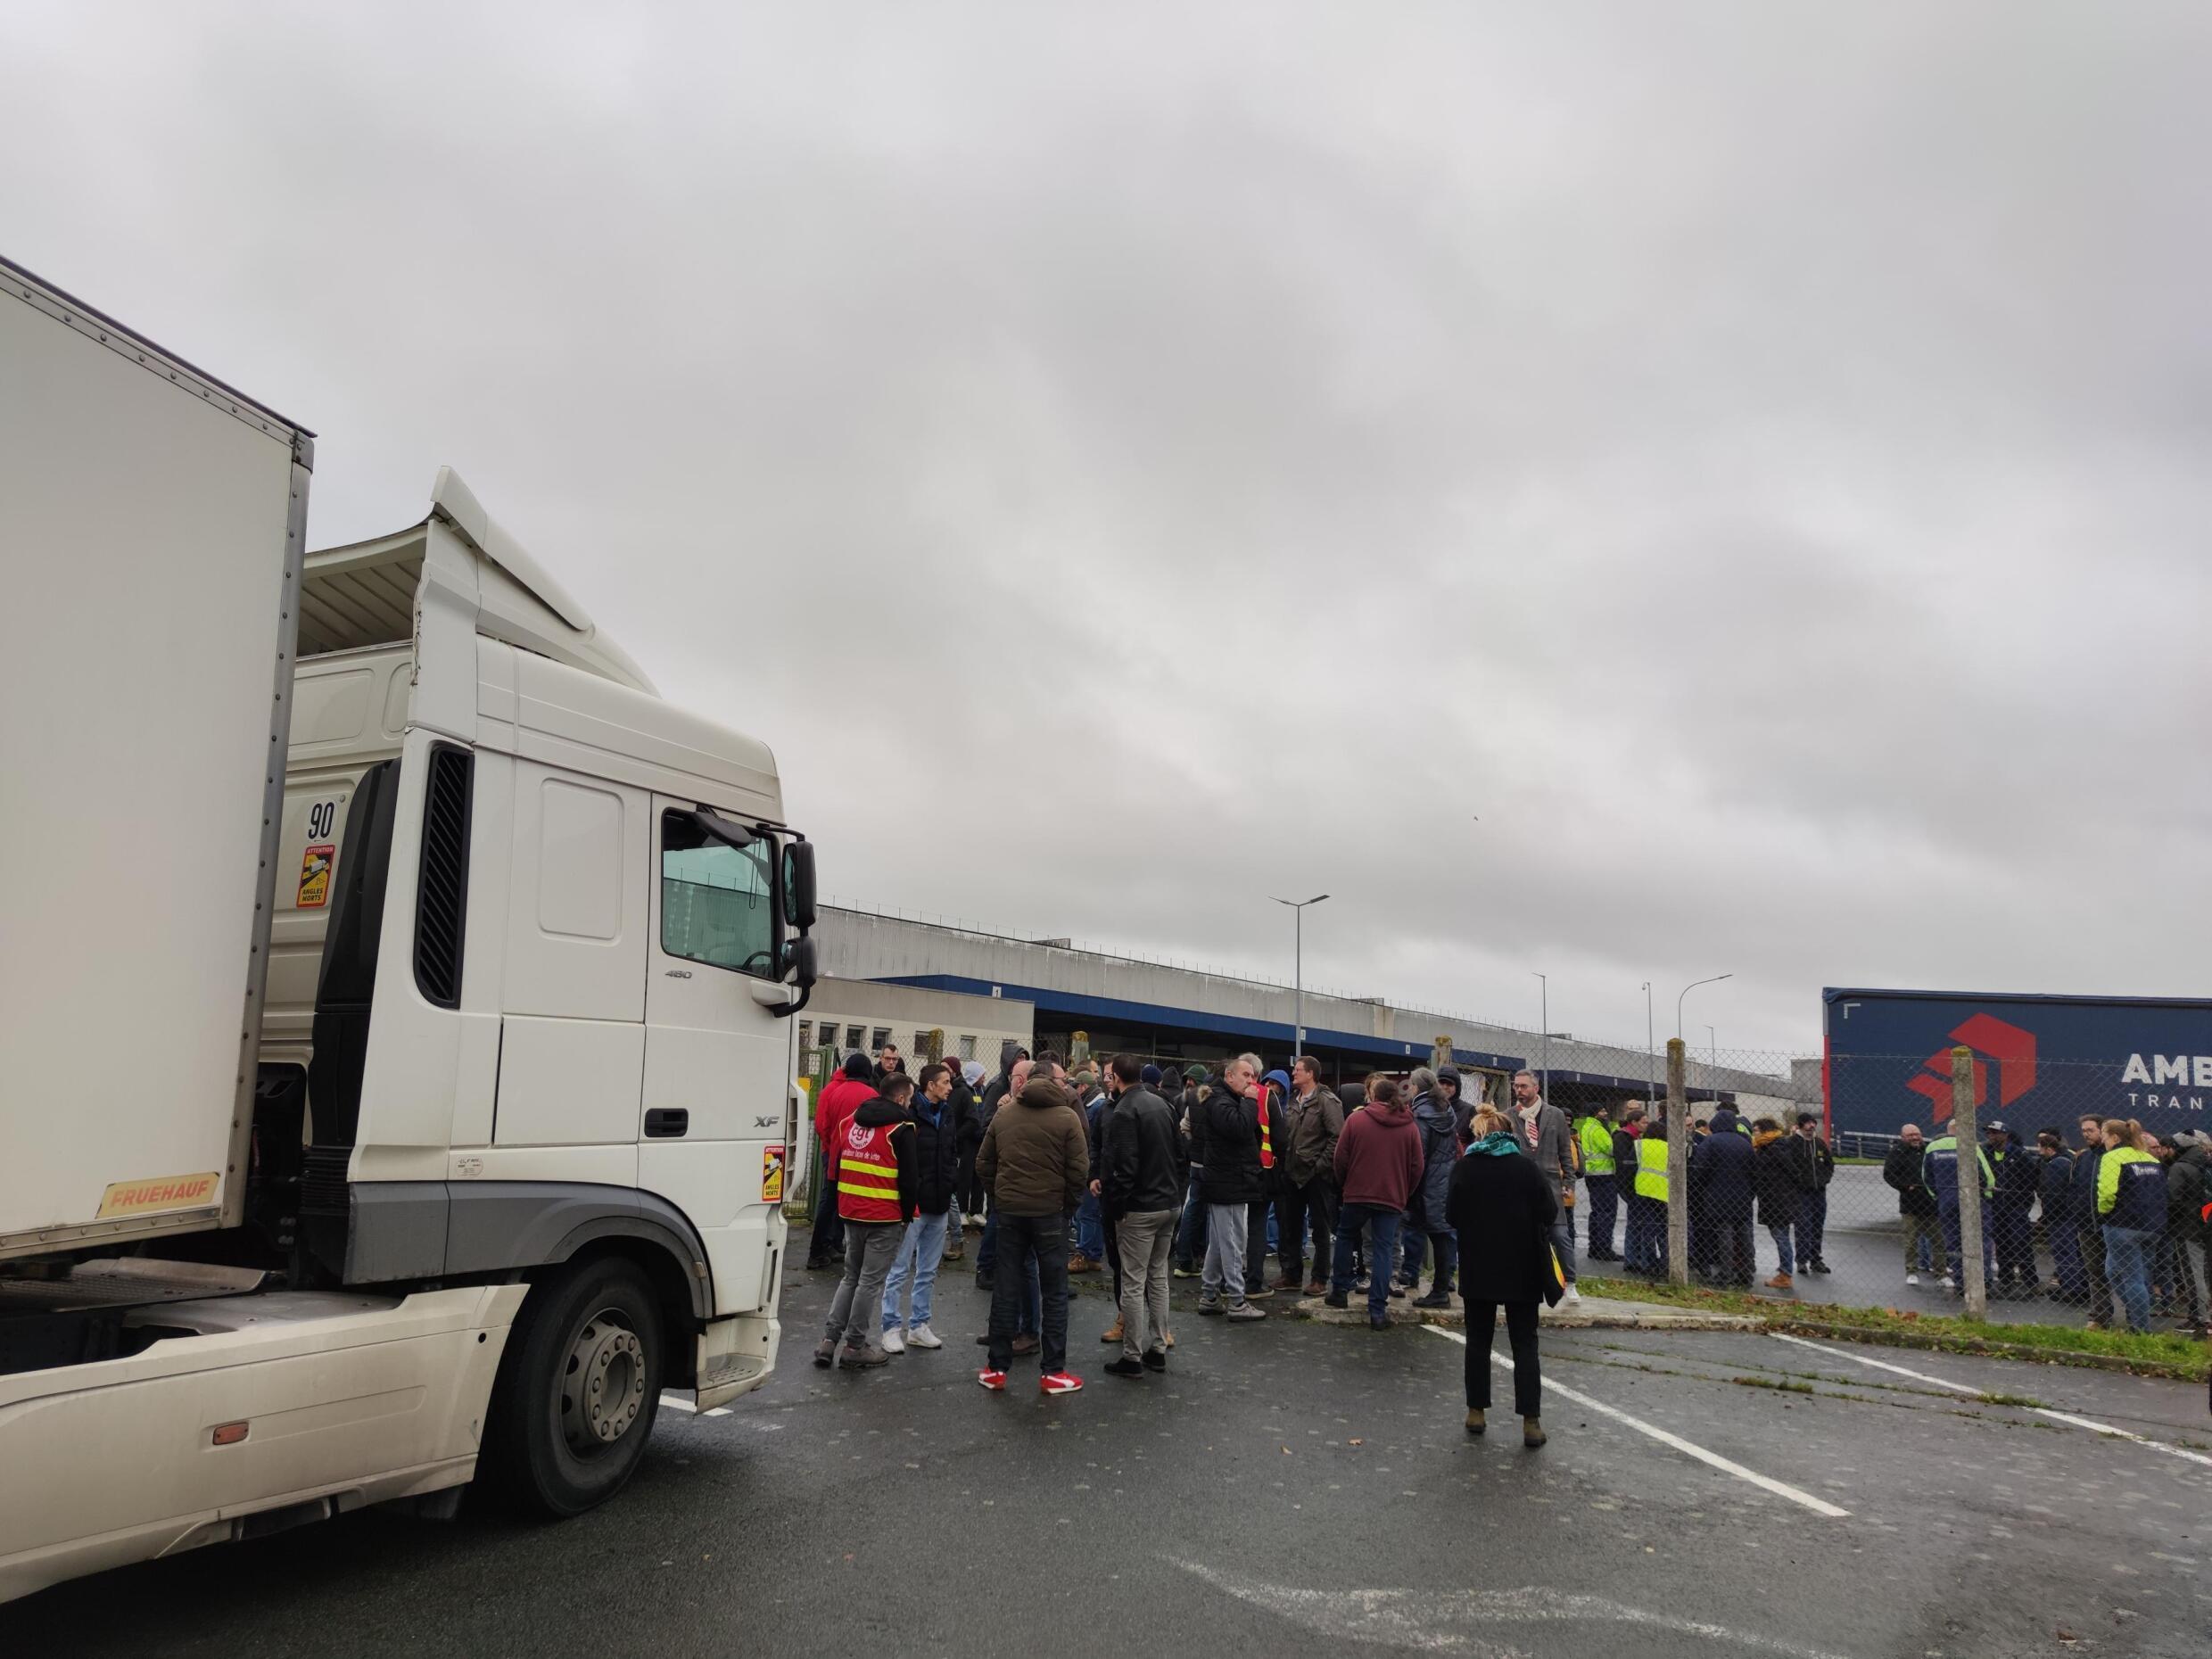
(1378, 1157)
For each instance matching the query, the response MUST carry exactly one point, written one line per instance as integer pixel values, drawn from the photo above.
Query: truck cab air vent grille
(441, 894)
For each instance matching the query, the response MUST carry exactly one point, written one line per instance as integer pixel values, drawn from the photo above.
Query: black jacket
(1502, 1205)
(936, 1155)
(2054, 1183)
(2185, 1196)
(1773, 1177)
(1146, 1162)
(967, 1116)
(1811, 1163)
(2019, 1171)
(1224, 1139)
(1721, 1171)
(1901, 1168)
(2083, 1188)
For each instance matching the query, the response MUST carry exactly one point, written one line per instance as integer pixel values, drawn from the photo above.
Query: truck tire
(578, 1389)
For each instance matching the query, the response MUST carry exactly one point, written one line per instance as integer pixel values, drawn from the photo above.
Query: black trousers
(1018, 1238)
(1110, 1223)
(1528, 1377)
(828, 1244)
(1316, 1201)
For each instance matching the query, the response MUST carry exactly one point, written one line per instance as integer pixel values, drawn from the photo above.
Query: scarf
(1497, 1143)
(1764, 1137)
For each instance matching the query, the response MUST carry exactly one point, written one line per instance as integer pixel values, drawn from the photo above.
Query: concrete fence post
(1678, 1162)
(1963, 1130)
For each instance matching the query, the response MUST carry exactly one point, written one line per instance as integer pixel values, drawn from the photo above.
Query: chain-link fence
(2054, 1192)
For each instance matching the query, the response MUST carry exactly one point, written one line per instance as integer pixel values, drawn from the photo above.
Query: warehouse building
(1091, 1001)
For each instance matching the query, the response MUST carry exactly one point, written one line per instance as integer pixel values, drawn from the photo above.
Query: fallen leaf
(1355, 1442)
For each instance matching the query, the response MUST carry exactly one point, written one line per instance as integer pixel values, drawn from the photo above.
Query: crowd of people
(2122, 1213)
(1202, 1174)
(1150, 1174)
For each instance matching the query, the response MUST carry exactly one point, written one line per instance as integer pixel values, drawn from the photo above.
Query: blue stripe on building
(1112, 1011)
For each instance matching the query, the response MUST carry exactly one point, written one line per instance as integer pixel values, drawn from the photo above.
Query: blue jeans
(1353, 1220)
(1090, 1229)
(1647, 1233)
(986, 1271)
(921, 1251)
(1563, 1241)
(2065, 1262)
(1191, 1236)
(1781, 1248)
(2128, 1269)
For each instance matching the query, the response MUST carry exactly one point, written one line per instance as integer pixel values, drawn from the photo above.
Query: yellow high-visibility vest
(1651, 1169)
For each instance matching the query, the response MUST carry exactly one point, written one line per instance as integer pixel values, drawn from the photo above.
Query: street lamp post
(1651, 1053)
(1686, 989)
(1544, 1003)
(1298, 972)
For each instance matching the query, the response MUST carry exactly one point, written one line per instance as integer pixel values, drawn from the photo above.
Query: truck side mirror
(799, 961)
(799, 887)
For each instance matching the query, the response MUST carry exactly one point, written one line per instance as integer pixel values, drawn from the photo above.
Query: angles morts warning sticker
(315, 875)
(142, 1198)
(771, 1175)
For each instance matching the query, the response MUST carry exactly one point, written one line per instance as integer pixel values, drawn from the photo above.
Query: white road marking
(1819, 1505)
(1439, 1620)
(2066, 1418)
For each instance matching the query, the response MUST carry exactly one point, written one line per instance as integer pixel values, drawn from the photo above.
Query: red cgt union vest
(868, 1174)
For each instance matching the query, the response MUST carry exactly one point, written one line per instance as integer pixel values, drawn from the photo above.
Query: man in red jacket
(1378, 1168)
(841, 1098)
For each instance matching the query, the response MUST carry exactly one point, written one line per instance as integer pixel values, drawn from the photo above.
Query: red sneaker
(1057, 1382)
(995, 1380)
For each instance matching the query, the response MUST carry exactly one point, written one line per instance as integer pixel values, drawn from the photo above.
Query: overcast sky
(1131, 465)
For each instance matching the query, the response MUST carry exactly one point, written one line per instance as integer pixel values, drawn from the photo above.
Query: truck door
(711, 1135)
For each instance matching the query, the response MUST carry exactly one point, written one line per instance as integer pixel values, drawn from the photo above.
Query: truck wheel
(578, 1389)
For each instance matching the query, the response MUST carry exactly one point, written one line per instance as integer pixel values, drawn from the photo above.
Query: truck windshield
(715, 899)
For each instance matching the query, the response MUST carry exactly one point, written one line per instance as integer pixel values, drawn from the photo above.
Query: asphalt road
(1286, 1488)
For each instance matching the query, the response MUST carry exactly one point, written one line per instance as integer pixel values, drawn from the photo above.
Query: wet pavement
(1286, 1487)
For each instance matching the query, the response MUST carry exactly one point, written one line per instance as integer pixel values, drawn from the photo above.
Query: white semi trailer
(395, 1074)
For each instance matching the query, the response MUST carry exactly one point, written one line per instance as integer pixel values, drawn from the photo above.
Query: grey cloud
(1750, 454)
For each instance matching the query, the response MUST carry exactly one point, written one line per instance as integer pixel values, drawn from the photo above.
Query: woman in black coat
(1502, 1206)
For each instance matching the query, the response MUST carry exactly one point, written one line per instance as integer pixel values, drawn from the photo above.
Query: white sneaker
(894, 1340)
(922, 1336)
(1949, 1283)
(1912, 1278)
(1573, 1295)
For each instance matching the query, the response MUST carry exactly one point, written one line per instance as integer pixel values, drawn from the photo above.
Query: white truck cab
(495, 1150)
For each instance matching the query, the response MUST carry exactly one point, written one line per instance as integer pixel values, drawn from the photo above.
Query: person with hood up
(1379, 1166)
(1425, 1221)
(1035, 1162)
(834, 1107)
(1503, 1208)
(1720, 1172)
(1774, 1183)
(872, 1170)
